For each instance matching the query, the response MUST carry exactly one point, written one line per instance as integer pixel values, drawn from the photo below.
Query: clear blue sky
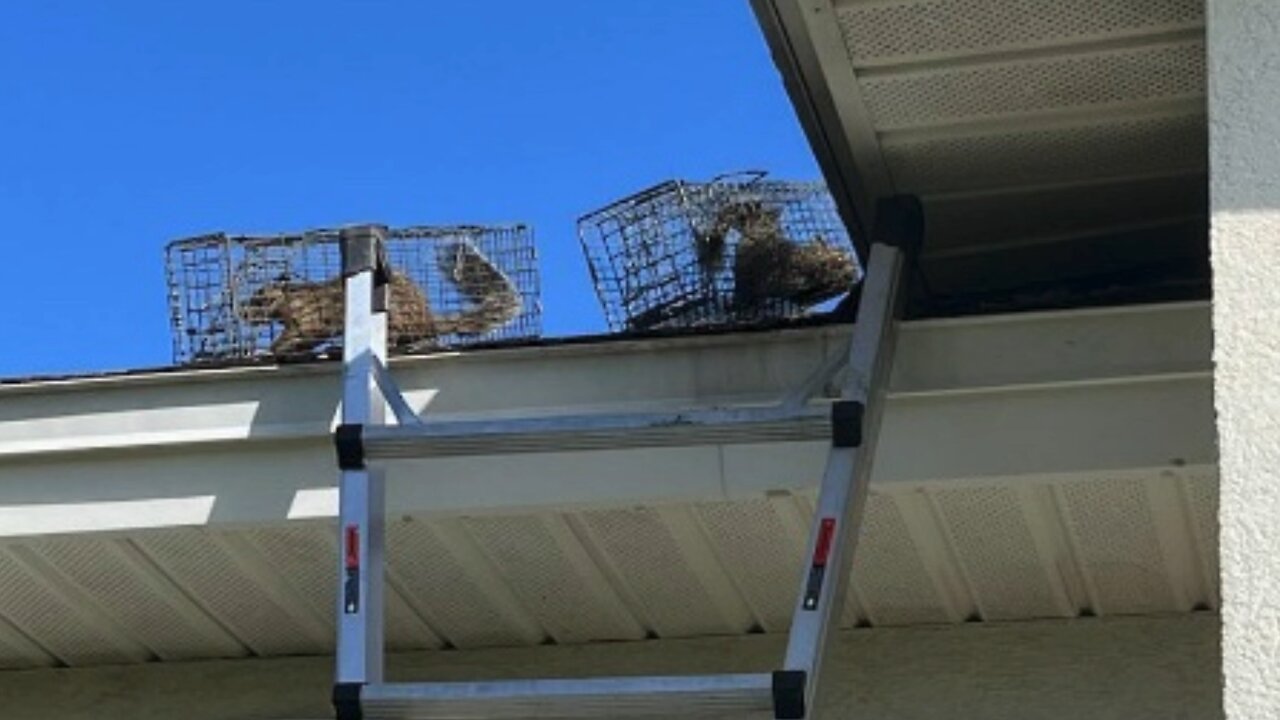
(127, 124)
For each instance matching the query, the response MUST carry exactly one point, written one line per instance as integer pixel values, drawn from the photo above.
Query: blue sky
(124, 125)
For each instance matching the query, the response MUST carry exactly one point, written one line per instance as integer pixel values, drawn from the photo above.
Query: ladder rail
(361, 488)
(842, 495)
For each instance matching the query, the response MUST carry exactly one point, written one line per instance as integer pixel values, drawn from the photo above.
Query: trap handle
(741, 177)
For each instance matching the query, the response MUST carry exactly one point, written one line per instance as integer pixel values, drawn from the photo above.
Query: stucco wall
(1115, 669)
(1244, 107)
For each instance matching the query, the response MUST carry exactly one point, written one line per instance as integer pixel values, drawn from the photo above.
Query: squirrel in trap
(767, 267)
(312, 313)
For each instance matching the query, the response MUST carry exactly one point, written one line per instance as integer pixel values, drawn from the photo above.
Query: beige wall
(1121, 669)
(1244, 107)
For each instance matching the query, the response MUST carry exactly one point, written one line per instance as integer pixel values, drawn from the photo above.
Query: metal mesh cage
(238, 297)
(738, 249)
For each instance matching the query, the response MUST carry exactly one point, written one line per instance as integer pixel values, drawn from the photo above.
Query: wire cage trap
(738, 249)
(242, 297)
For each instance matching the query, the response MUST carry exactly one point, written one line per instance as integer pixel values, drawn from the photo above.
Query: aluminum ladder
(365, 440)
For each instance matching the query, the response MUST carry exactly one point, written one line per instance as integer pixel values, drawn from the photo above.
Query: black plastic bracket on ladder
(363, 248)
(788, 694)
(346, 701)
(846, 423)
(348, 441)
(900, 223)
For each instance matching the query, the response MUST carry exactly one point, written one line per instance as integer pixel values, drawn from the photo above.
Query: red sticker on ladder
(352, 536)
(822, 550)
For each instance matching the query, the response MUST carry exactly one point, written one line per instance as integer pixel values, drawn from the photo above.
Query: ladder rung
(699, 696)
(590, 432)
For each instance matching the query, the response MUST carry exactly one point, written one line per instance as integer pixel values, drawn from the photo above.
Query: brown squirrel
(767, 267)
(312, 313)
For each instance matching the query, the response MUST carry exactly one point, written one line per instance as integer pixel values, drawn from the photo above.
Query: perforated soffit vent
(988, 101)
